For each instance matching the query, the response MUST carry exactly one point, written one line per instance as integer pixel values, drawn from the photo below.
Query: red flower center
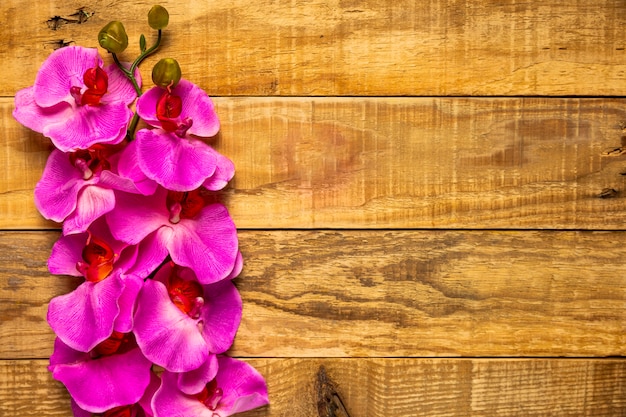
(123, 411)
(92, 160)
(168, 110)
(97, 82)
(211, 395)
(184, 205)
(98, 258)
(187, 295)
(111, 345)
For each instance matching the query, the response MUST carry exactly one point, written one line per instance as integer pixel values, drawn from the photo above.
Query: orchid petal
(193, 382)
(221, 315)
(126, 302)
(35, 117)
(177, 164)
(57, 190)
(63, 69)
(104, 383)
(224, 172)
(135, 216)
(89, 125)
(244, 388)
(207, 244)
(84, 317)
(120, 88)
(166, 335)
(93, 202)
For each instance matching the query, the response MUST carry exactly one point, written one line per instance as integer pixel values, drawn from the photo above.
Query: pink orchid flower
(172, 155)
(115, 373)
(75, 102)
(77, 188)
(104, 303)
(196, 233)
(179, 323)
(236, 388)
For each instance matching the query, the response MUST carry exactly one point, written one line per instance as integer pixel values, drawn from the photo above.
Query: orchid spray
(146, 333)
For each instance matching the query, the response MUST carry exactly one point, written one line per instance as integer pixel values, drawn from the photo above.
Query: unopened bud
(113, 37)
(158, 17)
(166, 72)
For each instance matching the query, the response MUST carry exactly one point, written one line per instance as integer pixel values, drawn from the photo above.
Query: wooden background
(430, 195)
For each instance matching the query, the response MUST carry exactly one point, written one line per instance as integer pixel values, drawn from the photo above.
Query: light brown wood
(347, 47)
(393, 163)
(374, 293)
(389, 387)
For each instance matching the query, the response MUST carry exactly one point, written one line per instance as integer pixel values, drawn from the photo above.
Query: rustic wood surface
(349, 47)
(441, 254)
(394, 163)
(376, 387)
(383, 293)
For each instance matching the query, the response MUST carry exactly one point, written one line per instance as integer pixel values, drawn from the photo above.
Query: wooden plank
(388, 387)
(383, 293)
(393, 163)
(375, 47)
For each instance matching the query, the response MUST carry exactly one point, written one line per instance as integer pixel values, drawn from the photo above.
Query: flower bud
(158, 17)
(166, 72)
(113, 37)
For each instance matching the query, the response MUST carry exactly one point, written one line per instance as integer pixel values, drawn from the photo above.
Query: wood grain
(389, 387)
(393, 163)
(347, 47)
(383, 293)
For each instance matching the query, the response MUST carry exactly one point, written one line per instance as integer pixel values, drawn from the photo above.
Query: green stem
(130, 74)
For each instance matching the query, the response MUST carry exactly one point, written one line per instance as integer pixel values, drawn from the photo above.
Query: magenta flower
(171, 154)
(197, 235)
(113, 374)
(236, 388)
(104, 303)
(179, 322)
(75, 102)
(77, 188)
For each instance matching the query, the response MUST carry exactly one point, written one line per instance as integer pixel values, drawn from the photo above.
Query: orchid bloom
(77, 188)
(104, 303)
(237, 387)
(196, 233)
(75, 102)
(114, 373)
(171, 154)
(179, 322)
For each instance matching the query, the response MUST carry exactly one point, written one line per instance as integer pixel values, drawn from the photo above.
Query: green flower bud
(158, 17)
(113, 37)
(166, 72)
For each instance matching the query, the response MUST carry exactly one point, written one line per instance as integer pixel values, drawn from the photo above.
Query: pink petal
(128, 167)
(193, 382)
(151, 252)
(135, 216)
(63, 69)
(84, 317)
(104, 383)
(221, 315)
(197, 105)
(166, 335)
(30, 114)
(56, 192)
(126, 301)
(177, 164)
(207, 244)
(93, 202)
(120, 88)
(224, 172)
(66, 252)
(169, 401)
(244, 388)
(88, 125)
